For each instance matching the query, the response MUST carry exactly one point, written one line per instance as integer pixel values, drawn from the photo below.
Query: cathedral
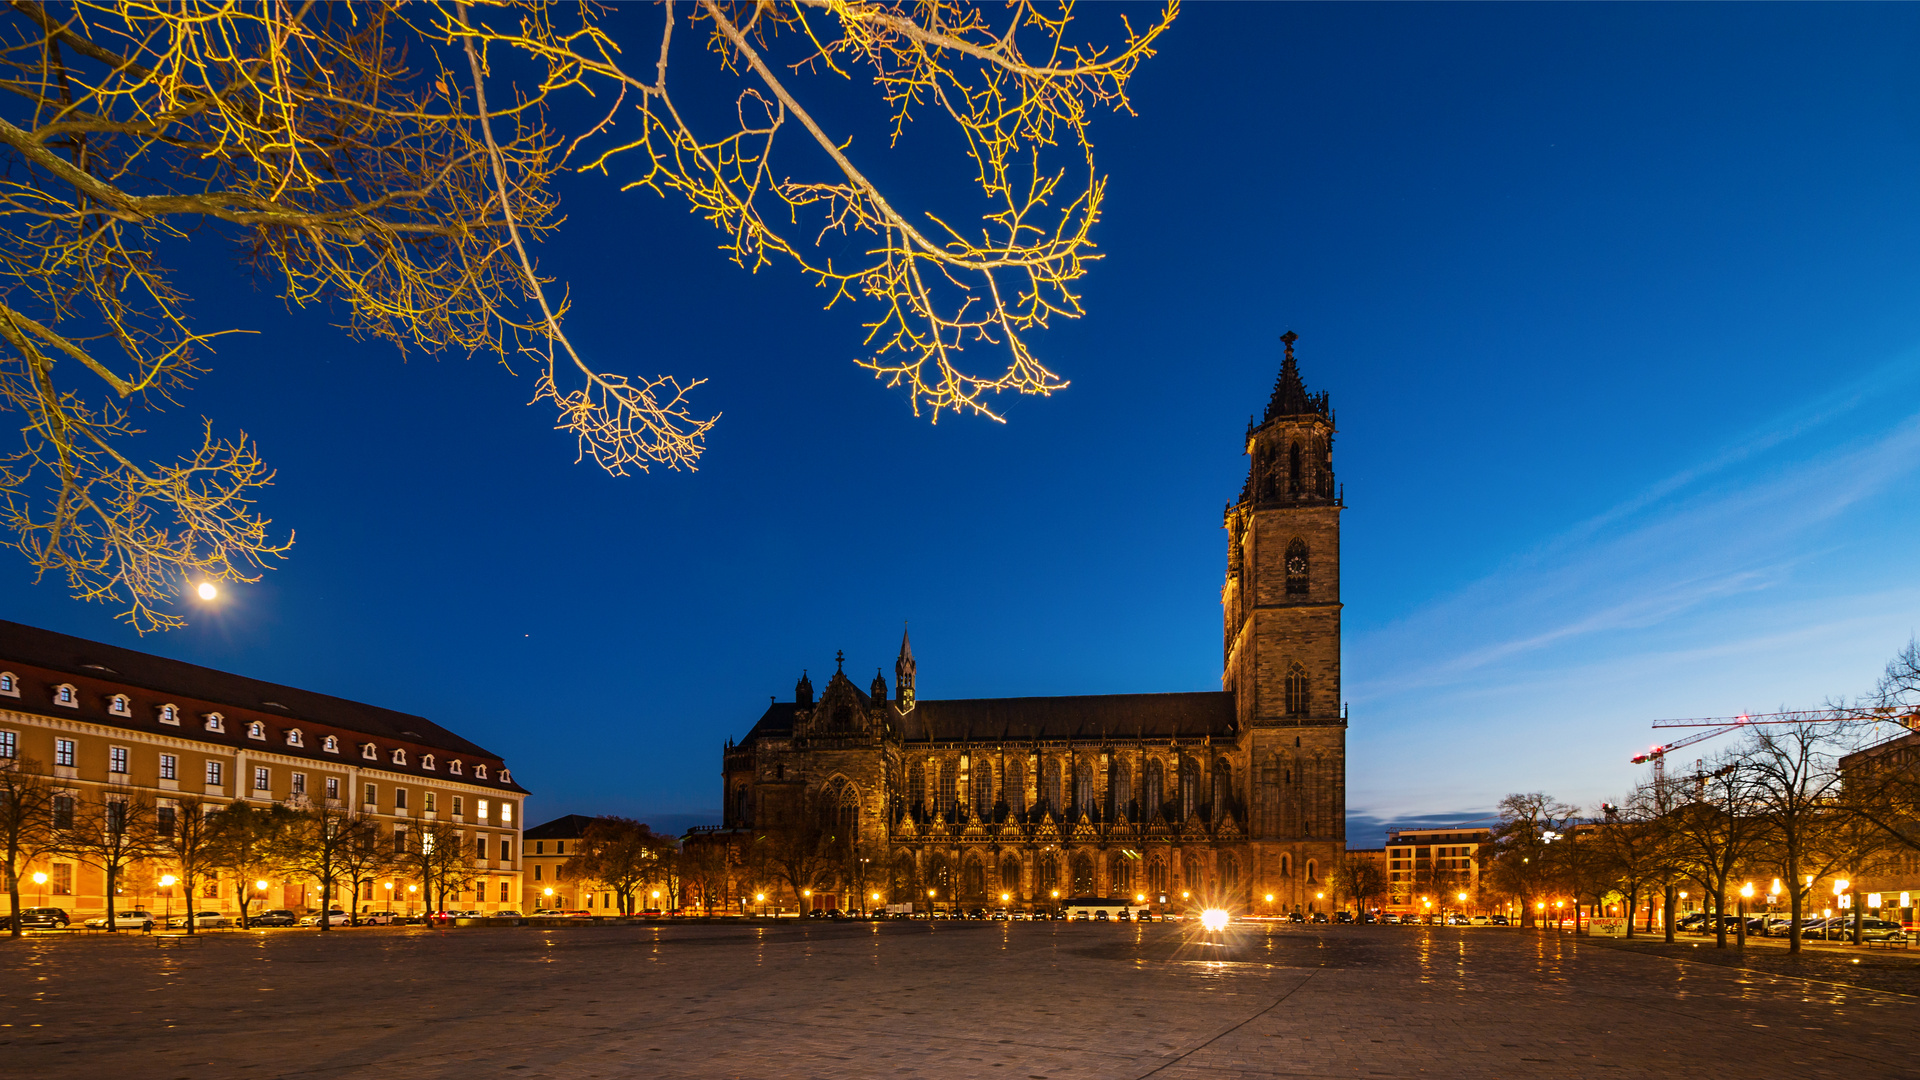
(1227, 797)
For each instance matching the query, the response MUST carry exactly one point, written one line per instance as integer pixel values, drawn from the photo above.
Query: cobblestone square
(1019, 1001)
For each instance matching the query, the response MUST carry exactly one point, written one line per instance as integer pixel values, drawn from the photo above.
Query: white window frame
(294, 738)
(121, 756)
(9, 684)
(170, 767)
(369, 751)
(9, 744)
(257, 730)
(455, 767)
(480, 811)
(506, 777)
(426, 762)
(479, 772)
(333, 787)
(216, 773)
(70, 748)
(298, 783)
(118, 705)
(261, 772)
(330, 744)
(399, 755)
(66, 696)
(168, 714)
(216, 722)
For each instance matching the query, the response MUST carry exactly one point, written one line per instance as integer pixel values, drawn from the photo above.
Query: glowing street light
(1213, 920)
(167, 882)
(207, 590)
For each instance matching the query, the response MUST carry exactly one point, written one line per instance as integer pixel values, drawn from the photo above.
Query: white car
(123, 920)
(334, 918)
(205, 920)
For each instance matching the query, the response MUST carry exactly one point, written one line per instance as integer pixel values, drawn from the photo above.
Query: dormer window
(369, 751)
(455, 767)
(119, 706)
(330, 744)
(257, 730)
(216, 722)
(9, 684)
(506, 777)
(294, 738)
(426, 761)
(66, 695)
(479, 772)
(169, 714)
(399, 756)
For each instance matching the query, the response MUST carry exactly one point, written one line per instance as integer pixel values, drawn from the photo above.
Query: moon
(207, 591)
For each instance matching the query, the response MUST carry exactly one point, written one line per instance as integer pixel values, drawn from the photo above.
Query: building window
(169, 767)
(294, 738)
(212, 891)
(399, 841)
(503, 892)
(480, 772)
(213, 773)
(480, 848)
(257, 730)
(333, 787)
(118, 706)
(1297, 703)
(1297, 580)
(506, 850)
(536, 871)
(373, 796)
(163, 818)
(62, 879)
(559, 847)
(399, 798)
(9, 744)
(539, 847)
(506, 813)
(480, 809)
(216, 722)
(330, 744)
(262, 779)
(65, 695)
(426, 762)
(399, 756)
(506, 776)
(117, 759)
(63, 752)
(299, 783)
(170, 715)
(9, 684)
(430, 802)
(454, 766)
(369, 751)
(116, 817)
(458, 802)
(63, 811)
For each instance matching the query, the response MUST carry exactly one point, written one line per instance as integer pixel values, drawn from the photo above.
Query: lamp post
(1842, 901)
(761, 899)
(1056, 904)
(167, 882)
(389, 888)
(1746, 894)
(411, 890)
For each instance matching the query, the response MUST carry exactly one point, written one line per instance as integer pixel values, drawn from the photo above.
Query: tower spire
(903, 674)
(1290, 397)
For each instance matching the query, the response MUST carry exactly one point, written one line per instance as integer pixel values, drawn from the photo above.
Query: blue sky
(1620, 311)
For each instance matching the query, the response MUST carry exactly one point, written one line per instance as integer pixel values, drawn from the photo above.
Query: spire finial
(1289, 338)
(839, 660)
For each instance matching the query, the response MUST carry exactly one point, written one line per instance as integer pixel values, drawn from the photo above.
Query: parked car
(1296, 917)
(1498, 920)
(380, 918)
(123, 920)
(1480, 920)
(1700, 922)
(336, 917)
(276, 917)
(38, 918)
(506, 915)
(1319, 917)
(1408, 918)
(206, 920)
(1881, 930)
(1343, 916)
(1368, 918)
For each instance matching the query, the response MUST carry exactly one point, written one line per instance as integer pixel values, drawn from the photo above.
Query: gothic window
(1156, 789)
(1222, 789)
(1120, 792)
(1297, 567)
(1013, 787)
(1083, 791)
(1189, 787)
(917, 787)
(1286, 866)
(1313, 876)
(1156, 875)
(1196, 877)
(1048, 869)
(1120, 874)
(948, 780)
(843, 718)
(1083, 876)
(1293, 469)
(846, 812)
(1050, 791)
(973, 880)
(1297, 700)
(1229, 871)
(982, 789)
(1010, 876)
(740, 805)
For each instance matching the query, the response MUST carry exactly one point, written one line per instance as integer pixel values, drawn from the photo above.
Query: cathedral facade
(1226, 797)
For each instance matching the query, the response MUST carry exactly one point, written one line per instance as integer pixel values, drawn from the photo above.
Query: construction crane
(1721, 725)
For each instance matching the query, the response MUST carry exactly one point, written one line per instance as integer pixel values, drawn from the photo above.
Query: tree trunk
(13, 894)
(187, 879)
(1633, 908)
(1669, 908)
(1719, 918)
(113, 879)
(326, 904)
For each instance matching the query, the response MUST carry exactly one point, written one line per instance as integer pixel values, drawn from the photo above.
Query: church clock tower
(1281, 616)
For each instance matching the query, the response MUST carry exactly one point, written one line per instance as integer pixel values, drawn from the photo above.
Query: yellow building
(1428, 869)
(98, 718)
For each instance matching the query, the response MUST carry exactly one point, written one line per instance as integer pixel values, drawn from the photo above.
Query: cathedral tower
(1280, 610)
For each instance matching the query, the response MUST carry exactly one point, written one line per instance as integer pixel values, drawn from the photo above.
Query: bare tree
(1522, 847)
(26, 823)
(621, 854)
(435, 853)
(112, 833)
(704, 862)
(368, 854)
(1718, 830)
(1632, 839)
(247, 843)
(800, 845)
(317, 842)
(351, 154)
(1795, 782)
(185, 830)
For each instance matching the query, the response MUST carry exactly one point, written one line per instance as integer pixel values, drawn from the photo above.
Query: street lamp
(1746, 894)
(389, 887)
(411, 889)
(167, 882)
(761, 899)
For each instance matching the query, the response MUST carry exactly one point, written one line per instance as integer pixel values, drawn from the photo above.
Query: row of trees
(1775, 807)
(115, 829)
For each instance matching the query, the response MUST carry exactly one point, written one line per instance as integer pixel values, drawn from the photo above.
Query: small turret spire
(903, 674)
(803, 690)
